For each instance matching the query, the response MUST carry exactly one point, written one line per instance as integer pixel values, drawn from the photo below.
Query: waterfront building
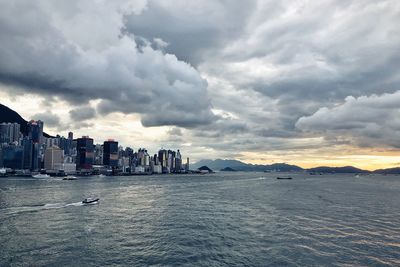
(13, 157)
(139, 170)
(187, 165)
(110, 154)
(157, 169)
(98, 154)
(85, 153)
(67, 168)
(71, 136)
(162, 157)
(36, 157)
(178, 162)
(27, 144)
(124, 164)
(52, 156)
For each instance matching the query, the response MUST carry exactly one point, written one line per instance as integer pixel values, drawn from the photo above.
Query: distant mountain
(388, 171)
(228, 169)
(218, 163)
(346, 169)
(9, 115)
(237, 165)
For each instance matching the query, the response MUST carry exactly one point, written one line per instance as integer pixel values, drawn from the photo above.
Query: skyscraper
(70, 135)
(85, 153)
(9, 132)
(35, 131)
(28, 153)
(162, 157)
(178, 162)
(110, 154)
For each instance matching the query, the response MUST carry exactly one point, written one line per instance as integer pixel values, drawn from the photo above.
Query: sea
(220, 219)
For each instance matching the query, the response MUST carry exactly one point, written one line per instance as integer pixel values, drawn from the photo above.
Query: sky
(303, 82)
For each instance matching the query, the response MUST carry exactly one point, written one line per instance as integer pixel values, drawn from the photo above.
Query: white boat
(3, 172)
(41, 176)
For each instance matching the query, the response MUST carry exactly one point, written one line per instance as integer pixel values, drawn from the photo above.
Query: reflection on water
(216, 220)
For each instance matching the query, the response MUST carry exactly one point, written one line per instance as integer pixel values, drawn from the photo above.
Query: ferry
(40, 176)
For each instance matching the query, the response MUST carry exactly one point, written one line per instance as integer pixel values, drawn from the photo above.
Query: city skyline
(300, 82)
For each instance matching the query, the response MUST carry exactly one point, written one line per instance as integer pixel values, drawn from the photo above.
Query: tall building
(52, 156)
(27, 144)
(162, 157)
(13, 157)
(35, 131)
(110, 153)
(187, 164)
(9, 132)
(178, 162)
(36, 157)
(70, 135)
(85, 153)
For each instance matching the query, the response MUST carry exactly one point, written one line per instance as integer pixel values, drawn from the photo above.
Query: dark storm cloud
(53, 59)
(191, 28)
(275, 73)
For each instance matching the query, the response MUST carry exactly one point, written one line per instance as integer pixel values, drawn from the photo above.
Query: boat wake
(36, 208)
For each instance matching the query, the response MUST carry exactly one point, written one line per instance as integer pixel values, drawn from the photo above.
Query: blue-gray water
(225, 219)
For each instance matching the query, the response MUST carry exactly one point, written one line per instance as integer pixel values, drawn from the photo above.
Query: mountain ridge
(219, 164)
(9, 115)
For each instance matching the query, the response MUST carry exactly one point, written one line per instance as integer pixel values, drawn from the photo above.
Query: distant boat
(284, 178)
(3, 172)
(41, 176)
(90, 200)
(70, 178)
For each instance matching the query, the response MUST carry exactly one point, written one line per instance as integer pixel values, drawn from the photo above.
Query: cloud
(240, 77)
(366, 120)
(82, 113)
(192, 29)
(50, 119)
(62, 52)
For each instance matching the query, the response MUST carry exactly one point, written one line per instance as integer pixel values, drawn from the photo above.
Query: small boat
(70, 178)
(3, 172)
(90, 200)
(40, 176)
(284, 178)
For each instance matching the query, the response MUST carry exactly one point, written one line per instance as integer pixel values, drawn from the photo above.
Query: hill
(228, 169)
(9, 115)
(388, 171)
(346, 169)
(237, 165)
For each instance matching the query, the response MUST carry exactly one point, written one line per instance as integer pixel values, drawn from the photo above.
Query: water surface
(224, 219)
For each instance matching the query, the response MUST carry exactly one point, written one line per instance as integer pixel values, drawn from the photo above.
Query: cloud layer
(77, 56)
(230, 78)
